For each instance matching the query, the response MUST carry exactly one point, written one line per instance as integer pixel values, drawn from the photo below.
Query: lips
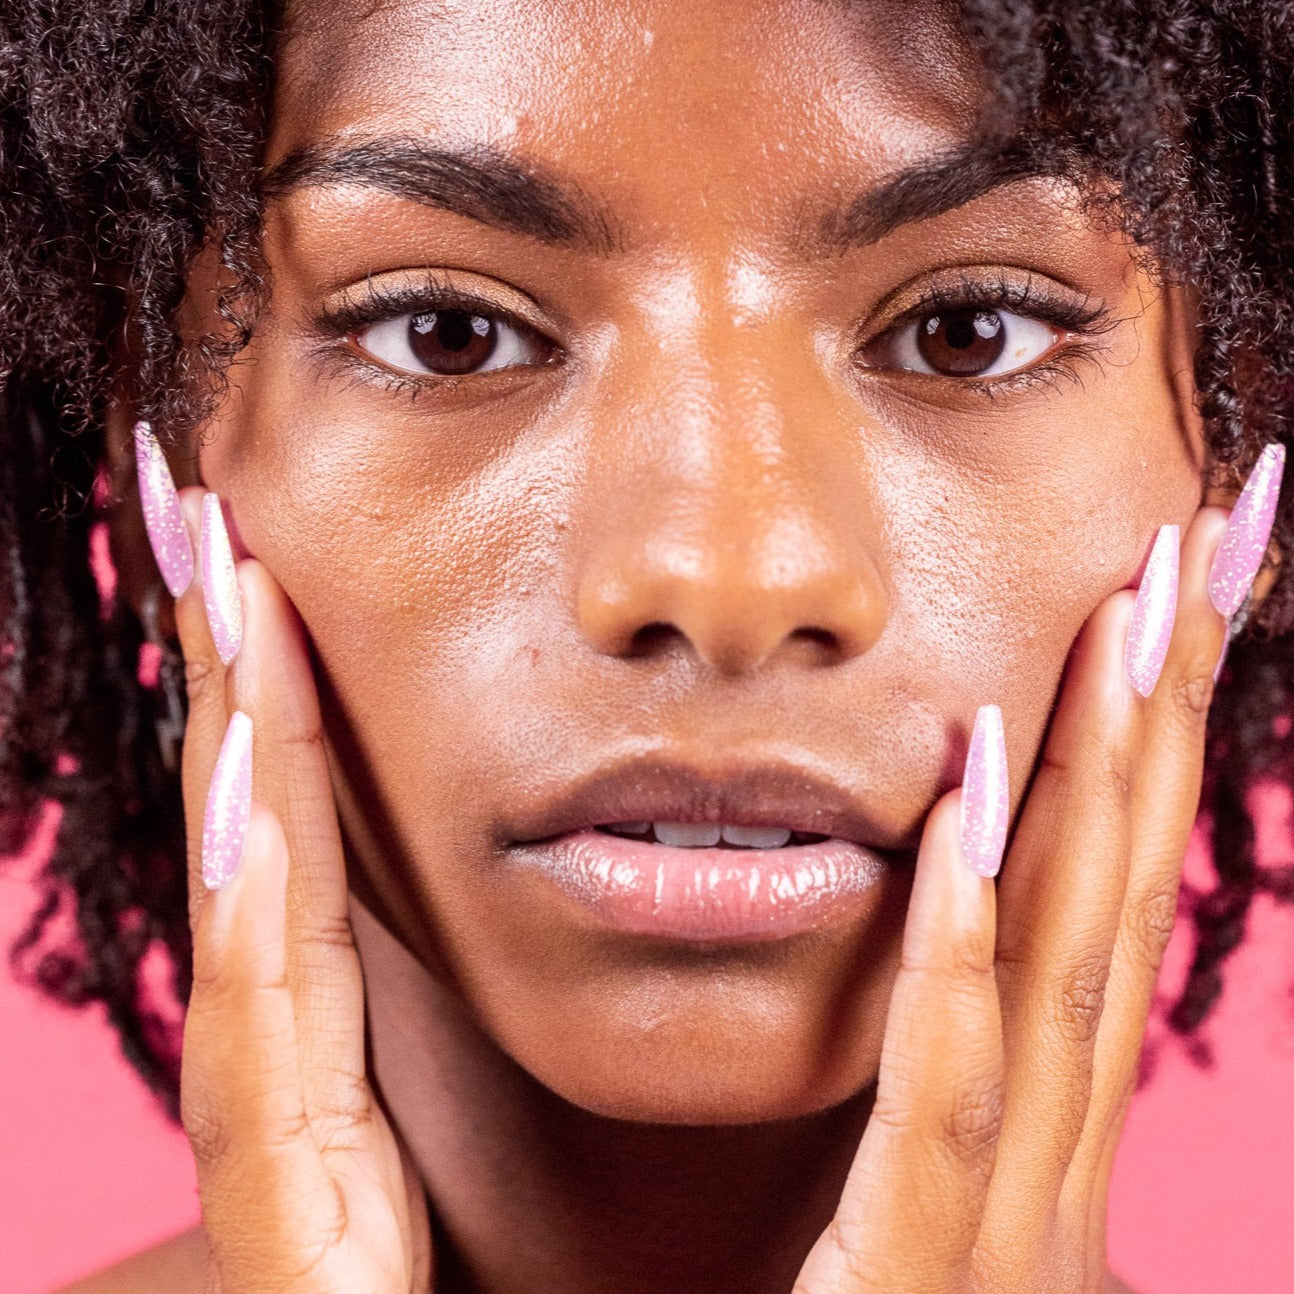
(782, 795)
(693, 891)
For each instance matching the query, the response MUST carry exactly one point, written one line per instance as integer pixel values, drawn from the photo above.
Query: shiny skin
(716, 525)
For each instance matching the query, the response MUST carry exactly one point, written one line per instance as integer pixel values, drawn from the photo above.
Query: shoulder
(173, 1267)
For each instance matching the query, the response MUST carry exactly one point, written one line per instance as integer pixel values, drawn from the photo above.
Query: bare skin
(711, 513)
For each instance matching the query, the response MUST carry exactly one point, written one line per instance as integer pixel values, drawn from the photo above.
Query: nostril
(825, 643)
(821, 637)
(650, 639)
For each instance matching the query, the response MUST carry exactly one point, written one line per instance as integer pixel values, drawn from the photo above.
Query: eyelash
(381, 303)
(1085, 319)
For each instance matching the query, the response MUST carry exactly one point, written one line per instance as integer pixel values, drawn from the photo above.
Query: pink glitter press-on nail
(1153, 614)
(985, 799)
(229, 804)
(220, 582)
(1249, 527)
(1222, 657)
(162, 516)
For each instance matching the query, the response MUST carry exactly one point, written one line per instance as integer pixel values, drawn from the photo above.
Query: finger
(910, 1211)
(1059, 901)
(274, 683)
(204, 674)
(1165, 801)
(259, 1171)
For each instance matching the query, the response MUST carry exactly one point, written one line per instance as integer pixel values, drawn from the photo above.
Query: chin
(714, 1055)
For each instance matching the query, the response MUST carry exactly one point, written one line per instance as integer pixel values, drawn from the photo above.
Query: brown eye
(452, 343)
(961, 343)
(966, 342)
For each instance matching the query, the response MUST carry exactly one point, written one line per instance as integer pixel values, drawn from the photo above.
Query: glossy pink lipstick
(662, 850)
(706, 894)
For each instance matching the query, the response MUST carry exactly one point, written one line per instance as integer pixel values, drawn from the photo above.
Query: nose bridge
(732, 517)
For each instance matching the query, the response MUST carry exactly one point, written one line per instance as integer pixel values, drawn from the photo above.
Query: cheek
(995, 572)
(423, 571)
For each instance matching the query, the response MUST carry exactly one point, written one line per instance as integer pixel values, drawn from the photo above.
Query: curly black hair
(130, 139)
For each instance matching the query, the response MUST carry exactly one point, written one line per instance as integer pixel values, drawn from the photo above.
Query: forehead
(649, 102)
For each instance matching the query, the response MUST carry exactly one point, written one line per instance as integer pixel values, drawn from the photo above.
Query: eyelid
(1022, 291)
(394, 292)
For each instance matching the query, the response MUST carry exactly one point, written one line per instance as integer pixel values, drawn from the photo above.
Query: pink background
(90, 1171)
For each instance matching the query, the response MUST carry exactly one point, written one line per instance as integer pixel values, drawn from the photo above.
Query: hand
(304, 1186)
(1015, 1027)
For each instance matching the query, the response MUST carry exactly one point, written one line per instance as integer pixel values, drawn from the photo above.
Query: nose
(733, 520)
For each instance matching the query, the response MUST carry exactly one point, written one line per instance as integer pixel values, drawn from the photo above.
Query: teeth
(627, 828)
(688, 835)
(705, 835)
(756, 837)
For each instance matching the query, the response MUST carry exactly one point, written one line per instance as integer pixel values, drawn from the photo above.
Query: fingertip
(1096, 692)
(948, 891)
(274, 678)
(267, 845)
(191, 497)
(253, 897)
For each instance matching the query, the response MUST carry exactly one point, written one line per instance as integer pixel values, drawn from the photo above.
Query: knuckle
(966, 1128)
(967, 962)
(285, 1132)
(1191, 694)
(972, 1122)
(197, 679)
(1150, 921)
(1116, 773)
(893, 1112)
(332, 1224)
(329, 932)
(208, 1135)
(309, 738)
(857, 1266)
(1080, 1000)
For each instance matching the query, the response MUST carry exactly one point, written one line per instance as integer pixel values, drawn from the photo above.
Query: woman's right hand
(1015, 1026)
(305, 1188)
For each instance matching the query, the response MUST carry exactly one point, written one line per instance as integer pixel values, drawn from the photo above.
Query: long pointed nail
(985, 802)
(220, 582)
(163, 519)
(1249, 527)
(1153, 614)
(229, 804)
(1222, 658)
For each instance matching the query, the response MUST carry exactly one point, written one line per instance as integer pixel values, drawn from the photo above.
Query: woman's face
(625, 405)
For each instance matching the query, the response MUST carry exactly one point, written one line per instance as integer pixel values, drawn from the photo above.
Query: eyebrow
(488, 186)
(479, 183)
(930, 188)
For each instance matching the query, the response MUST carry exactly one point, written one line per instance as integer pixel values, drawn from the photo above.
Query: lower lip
(707, 894)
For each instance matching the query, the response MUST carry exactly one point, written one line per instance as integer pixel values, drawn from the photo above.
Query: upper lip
(662, 790)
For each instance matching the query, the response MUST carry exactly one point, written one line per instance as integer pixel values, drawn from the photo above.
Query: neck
(530, 1192)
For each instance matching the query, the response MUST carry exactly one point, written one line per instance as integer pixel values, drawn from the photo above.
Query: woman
(696, 474)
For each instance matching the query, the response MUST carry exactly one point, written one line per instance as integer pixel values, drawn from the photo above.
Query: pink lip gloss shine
(706, 894)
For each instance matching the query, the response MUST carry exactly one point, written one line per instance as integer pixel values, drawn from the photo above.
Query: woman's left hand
(1014, 1033)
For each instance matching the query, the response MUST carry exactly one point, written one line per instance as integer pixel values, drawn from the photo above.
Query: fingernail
(1222, 657)
(220, 582)
(1249, 527)
(1151, 627)
(984, 803)
(162, 516)
(1234, 627)
(229, 804)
